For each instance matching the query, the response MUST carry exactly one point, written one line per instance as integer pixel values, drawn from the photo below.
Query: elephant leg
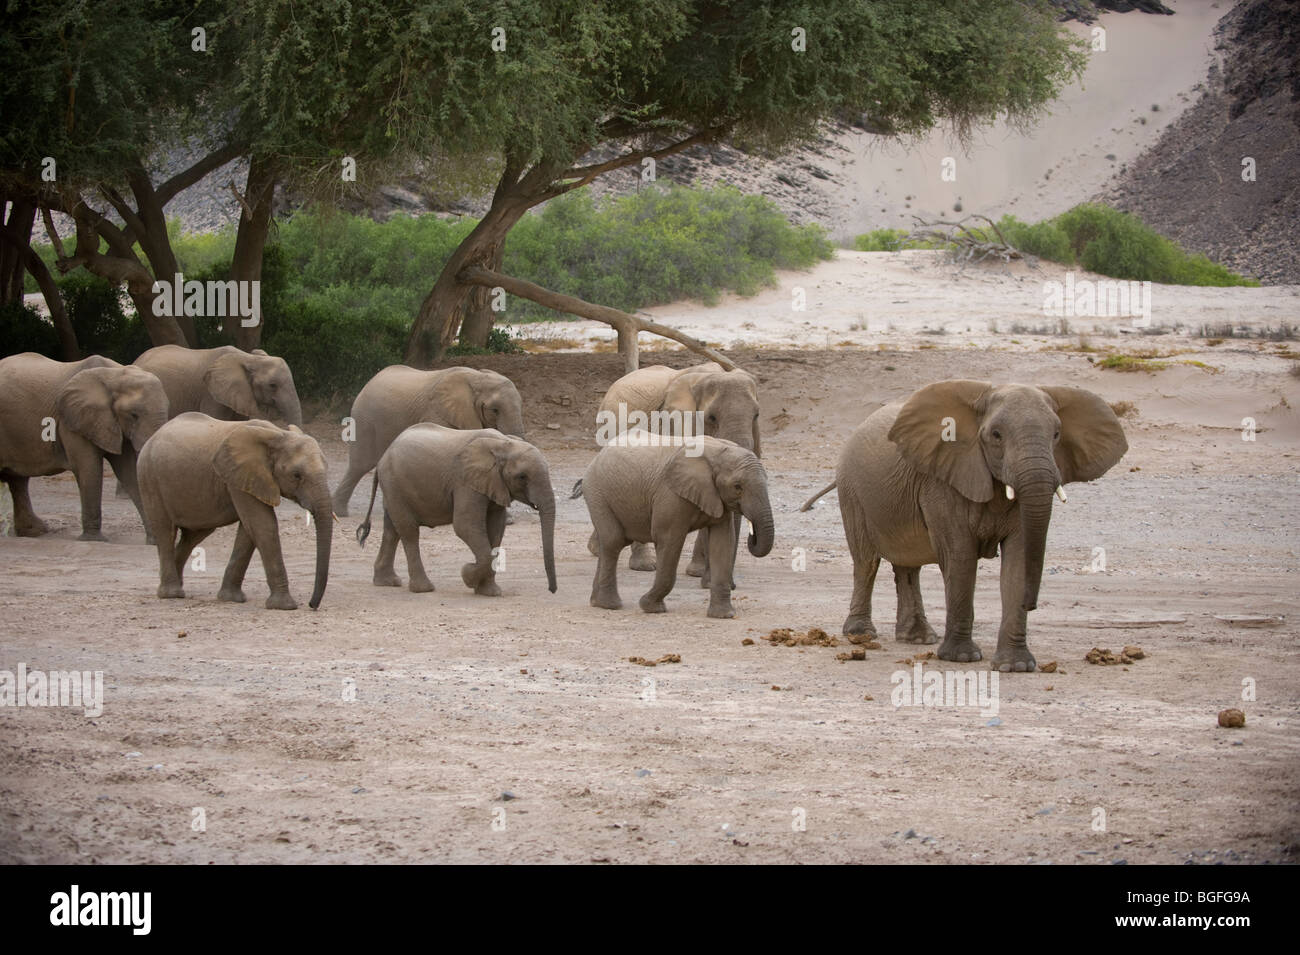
(866, 563)
(699, 565)
(911, 625)
(169, 584)
(359, 465)
(232, 582)
(128, 486)
(668, 550)
(385, 575)
(1013, 654)
(722, 552)
(610, 541)
(701, 552)
(190, 539)
(26, 523)
(470, 519)
(262, 526)
(959, 564)
(643, 558)
(88, 465)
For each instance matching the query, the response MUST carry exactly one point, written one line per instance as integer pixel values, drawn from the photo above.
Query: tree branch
(627, 325)
(585, 174)
(188, 177)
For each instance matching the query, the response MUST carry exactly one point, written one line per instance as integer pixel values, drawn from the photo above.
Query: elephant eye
(1057, 436)
(997, 435)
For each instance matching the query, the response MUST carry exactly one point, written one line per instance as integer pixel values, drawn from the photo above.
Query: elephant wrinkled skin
(400, 396)
(225, 383)
(433, 475)
(70, 416)
(198, 473)
(956, 472)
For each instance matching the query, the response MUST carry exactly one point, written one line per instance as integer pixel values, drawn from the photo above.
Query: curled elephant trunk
(546, 510)
(758, 509)
(322, 513)
(1034, 495)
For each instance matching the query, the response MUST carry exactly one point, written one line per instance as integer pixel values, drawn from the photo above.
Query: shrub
(23, 328)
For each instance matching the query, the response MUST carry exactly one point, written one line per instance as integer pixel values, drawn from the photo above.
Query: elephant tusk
(1060, 492)
(1011, 493)
(336, 517)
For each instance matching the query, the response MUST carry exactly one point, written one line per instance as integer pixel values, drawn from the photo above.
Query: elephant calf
(198, 473)
(70, 416)
(659, 493)
(433, 476)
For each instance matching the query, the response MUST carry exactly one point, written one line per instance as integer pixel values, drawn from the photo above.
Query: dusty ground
(461, 699)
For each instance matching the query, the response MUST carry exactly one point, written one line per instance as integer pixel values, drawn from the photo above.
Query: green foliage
(1096, 237)
(499, 342)
(658, 246)
(23, 329)
(97, 312)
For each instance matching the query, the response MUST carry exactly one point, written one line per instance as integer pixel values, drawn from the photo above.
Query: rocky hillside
(1194, 184)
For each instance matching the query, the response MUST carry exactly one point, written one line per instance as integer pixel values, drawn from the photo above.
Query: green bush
(23, 329)
(1044, 239)
(500, 341)
(880, 240)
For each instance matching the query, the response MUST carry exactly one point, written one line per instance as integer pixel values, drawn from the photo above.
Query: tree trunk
(250, 240)
(13, 257)
(69, 348)
(157, 247)
(479, 317)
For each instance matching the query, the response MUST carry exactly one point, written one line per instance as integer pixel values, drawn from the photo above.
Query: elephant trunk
(322, 512)
(291, 409)
(1034, 490)
(754, 504)
(546, 510)
(511, 423)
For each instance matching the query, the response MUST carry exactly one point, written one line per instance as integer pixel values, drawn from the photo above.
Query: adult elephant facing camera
(400, 396)
(198, 474)
(957, 471)
(70, 416)
(225, 383)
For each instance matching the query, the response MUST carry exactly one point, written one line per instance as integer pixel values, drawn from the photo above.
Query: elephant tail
(807, 505)
(577, 490)
(363, 531)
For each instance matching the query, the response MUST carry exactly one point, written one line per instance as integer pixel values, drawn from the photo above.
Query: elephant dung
(1232, 719)
(814, 637)
(666, 658)
(1103, 657)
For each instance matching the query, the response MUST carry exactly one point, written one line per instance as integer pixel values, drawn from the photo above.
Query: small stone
(747, 642)
(182, 634)
(553, 427)
(910, 834)
(507, 795)
(996, 721)
(357, 790)
(1232, 719)
(869, 697)
(132, 755)
(643, 772)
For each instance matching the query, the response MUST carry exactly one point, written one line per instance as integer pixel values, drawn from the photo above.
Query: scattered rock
(1232, 719)
(507, 795)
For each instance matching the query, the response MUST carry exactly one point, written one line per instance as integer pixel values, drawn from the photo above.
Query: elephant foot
(92, 536)
(643, 561)
(35, 528)
(721, 610)
(420, 585)
(650, 605)
(510, 518)
(387, 579)
(488, 589)
(170, 591)
(857, 626)
(234, 595)
(960, 651)
(606, 603)
(697, 568)
(281, 601)
(1014, 660)
(915, 631)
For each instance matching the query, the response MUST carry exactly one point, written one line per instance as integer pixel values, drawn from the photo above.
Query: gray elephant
(400, 396)
(432, 475)
(199, 473)
(658, 493)
(725, 404)
(957, 472)
(225, 383)
(70, 416)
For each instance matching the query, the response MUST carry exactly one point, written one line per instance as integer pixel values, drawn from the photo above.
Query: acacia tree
(540, 84)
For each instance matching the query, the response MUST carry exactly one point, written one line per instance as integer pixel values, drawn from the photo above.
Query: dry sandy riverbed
(461, 699)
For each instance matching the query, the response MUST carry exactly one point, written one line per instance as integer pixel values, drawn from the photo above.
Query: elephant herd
(200, 439)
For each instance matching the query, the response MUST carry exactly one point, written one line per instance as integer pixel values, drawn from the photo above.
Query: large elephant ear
(683, 392)
(481, 462)
(243, 460)
(1092, 439)
(227, 381)
(691, 478)
(450, 400)
(85, 405)
(937, 432)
